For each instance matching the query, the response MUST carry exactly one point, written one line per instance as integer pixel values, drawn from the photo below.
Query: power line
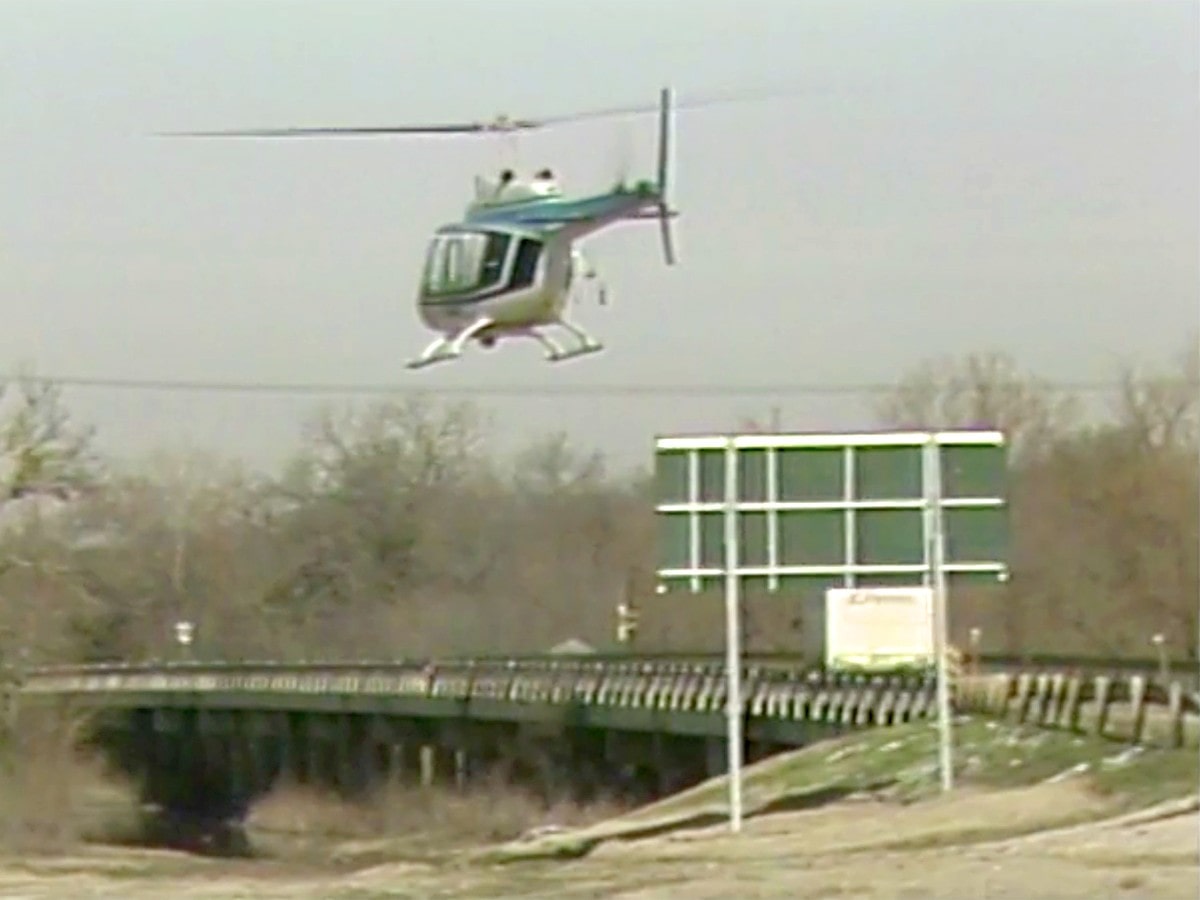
(644, 389)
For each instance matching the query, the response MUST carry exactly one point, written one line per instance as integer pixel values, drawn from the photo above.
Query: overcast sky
(948, 176)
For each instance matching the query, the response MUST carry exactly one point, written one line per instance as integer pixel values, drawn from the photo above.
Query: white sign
(879, 627)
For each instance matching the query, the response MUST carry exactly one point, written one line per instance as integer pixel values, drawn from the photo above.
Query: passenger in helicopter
(506, 178)
(544, 184)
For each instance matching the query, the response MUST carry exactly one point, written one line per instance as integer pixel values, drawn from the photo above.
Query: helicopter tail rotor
(665, 214)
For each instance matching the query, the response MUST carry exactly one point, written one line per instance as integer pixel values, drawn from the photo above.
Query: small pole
(733, 655)
(937, 577)
(976, 637)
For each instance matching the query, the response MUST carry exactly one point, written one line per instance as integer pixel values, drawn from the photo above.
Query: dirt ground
(943, 848)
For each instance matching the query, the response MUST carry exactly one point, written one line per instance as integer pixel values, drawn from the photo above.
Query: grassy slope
(902, 762)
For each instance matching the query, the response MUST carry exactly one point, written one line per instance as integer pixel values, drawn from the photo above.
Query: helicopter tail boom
(665, 214)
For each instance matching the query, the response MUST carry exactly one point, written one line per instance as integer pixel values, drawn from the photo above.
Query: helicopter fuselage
(512, 262)
(508, 267)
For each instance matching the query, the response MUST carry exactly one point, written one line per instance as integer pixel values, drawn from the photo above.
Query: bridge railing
(1135, 708)
(771, 689)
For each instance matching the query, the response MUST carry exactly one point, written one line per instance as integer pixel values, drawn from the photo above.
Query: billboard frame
(852, 508)
(932, 570)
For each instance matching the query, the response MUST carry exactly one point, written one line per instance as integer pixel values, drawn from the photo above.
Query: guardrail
(781, 702)
(1135, 708)
(983, 663)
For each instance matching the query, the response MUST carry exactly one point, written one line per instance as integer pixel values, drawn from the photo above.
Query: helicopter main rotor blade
(699, 102)
(500, 124)
(359, 131)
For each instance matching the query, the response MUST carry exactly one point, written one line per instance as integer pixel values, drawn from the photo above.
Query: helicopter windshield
(460, 261)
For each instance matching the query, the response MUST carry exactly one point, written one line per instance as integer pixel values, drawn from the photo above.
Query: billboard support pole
(936, 555)
(733, 651)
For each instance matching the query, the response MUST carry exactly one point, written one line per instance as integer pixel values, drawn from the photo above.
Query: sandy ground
(945, 848)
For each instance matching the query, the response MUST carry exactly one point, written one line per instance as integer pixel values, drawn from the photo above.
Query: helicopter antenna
(512, 150)
(623, 151)
(664, 155)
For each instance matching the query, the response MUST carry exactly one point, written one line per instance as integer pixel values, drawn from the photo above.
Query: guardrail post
(1000, 694)
(1137, 700)
(1024, 696)
(1175, 737)
(1058, 687)
(1074, 702)
(1102, 693)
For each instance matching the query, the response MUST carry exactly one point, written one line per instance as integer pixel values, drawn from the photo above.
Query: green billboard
(829, 510)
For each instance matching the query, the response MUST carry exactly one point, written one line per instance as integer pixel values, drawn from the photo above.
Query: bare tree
(1142, 498)
(551, 466)
(42, 452)
(1160, 409)
(579, 541)
(46, 460)
(396, 530)
(362, 506)
(174, 539)
(981, 390)
(1104, 513)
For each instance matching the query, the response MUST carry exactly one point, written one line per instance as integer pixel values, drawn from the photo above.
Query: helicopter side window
(525, 265)
(494, 255)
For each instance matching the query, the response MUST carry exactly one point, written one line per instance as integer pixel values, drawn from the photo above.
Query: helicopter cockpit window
(465, 261)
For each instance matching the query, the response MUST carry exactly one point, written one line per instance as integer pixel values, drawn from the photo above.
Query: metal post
(1164, 668)
(937, 577)
(733, 654)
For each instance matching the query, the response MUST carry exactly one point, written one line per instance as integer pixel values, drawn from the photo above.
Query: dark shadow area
(162, 829)
(820, 797)
(788, 803)
(199, 773)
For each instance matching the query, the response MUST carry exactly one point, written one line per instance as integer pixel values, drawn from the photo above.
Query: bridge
(204, 740)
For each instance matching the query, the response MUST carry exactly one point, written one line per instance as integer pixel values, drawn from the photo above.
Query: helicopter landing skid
(444, 349)
(571, 354)
(555, 353)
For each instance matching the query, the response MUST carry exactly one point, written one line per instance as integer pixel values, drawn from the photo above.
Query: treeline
(395, 531)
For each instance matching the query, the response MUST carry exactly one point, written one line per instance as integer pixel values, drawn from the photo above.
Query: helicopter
(510, 265)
